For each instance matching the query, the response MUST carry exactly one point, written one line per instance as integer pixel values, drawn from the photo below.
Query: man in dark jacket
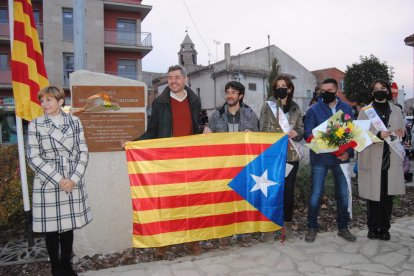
(176, 112)
(327, 105)
(234, 115)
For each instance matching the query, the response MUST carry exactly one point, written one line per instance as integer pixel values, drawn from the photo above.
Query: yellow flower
(106, 101)
(340, 132)
(350, 125)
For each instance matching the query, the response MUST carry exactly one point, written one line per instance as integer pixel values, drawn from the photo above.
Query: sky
(317, 33)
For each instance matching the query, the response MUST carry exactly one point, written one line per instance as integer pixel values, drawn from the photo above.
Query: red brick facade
(336, 74)
(112, 57)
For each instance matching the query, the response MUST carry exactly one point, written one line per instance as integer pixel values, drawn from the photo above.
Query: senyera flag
(207, 186)
(28, 69)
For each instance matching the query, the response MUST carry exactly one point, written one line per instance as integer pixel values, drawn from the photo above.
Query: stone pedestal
(107, 184)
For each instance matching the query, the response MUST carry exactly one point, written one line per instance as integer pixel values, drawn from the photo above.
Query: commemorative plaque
(101, 111)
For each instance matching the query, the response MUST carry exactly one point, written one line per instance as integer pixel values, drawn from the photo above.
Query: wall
(111, 18)
(304, 80)
(112, 57)
(128, 1)
(213, 90)
(54, 46)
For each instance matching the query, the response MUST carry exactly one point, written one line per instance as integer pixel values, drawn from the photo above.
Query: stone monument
(106, 176)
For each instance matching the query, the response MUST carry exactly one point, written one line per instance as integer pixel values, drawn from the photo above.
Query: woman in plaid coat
(58, 155)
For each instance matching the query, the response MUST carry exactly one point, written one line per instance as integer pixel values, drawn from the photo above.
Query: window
(341, 85)
(4, 15)
(67, 24)
(4, 61)
(68, 66)
(36, 16)
(126, 31)
(252, 86)
(198, 91)
(127, 68)
(5, 72)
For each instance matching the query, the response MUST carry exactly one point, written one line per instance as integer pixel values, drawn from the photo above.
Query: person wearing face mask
(321, 163)
(380, 168)
(271, 121)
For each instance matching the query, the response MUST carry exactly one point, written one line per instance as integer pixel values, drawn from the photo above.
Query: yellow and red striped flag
(201, 187)
(28, 68)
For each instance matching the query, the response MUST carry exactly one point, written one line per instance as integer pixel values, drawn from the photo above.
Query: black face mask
(280, 92)
(380, 95)
(328, 97)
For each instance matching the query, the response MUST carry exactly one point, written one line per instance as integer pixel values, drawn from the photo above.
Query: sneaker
(373, 234)
(311, 235)
(344, 233)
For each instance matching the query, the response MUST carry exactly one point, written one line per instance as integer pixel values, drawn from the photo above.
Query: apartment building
(115, 43)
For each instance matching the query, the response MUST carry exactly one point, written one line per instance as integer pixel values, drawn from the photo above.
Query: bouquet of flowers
(97, 103)
(339, 133)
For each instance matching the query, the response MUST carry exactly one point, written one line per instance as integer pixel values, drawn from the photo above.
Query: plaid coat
(57, 152)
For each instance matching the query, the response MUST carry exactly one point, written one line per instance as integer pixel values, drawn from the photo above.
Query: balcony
(5, 31)
(127, 5)
(128, 41)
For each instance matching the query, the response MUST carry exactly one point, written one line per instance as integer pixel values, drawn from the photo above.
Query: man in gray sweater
(234, 115)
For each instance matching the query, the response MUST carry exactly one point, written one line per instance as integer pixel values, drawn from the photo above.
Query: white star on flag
(262, 182)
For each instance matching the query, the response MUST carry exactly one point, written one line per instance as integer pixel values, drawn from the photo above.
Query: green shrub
(11, 199)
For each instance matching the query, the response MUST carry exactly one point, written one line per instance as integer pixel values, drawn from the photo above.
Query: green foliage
(303, 185)
(11, 200)
(5, 129)
(360, 76)
(274, 72)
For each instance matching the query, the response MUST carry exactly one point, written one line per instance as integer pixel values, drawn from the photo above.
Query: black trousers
(64, 240)
(289, 192)
(379, 212)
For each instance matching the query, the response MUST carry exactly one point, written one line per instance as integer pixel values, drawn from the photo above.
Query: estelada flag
(28, 69)
(207, 186)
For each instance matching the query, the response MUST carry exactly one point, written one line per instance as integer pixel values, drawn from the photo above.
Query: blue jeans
(341, 192)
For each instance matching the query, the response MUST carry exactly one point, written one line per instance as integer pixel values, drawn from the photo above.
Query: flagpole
(20, 144)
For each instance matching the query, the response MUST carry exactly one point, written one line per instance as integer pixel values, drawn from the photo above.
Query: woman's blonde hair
(55, 91)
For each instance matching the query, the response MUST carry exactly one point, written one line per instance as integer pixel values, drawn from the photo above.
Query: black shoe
(67, 269)
(56, 271)
(384, 235)
(311, 235)
(373, 234)
(344, 233)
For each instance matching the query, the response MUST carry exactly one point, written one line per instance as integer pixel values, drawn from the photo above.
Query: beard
(232, 102)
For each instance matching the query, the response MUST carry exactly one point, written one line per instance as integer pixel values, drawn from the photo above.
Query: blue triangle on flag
(261, 182)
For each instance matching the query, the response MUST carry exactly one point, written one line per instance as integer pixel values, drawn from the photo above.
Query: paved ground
(328, 255)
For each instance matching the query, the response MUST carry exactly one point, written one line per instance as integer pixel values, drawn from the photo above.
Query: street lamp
(245, 49)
